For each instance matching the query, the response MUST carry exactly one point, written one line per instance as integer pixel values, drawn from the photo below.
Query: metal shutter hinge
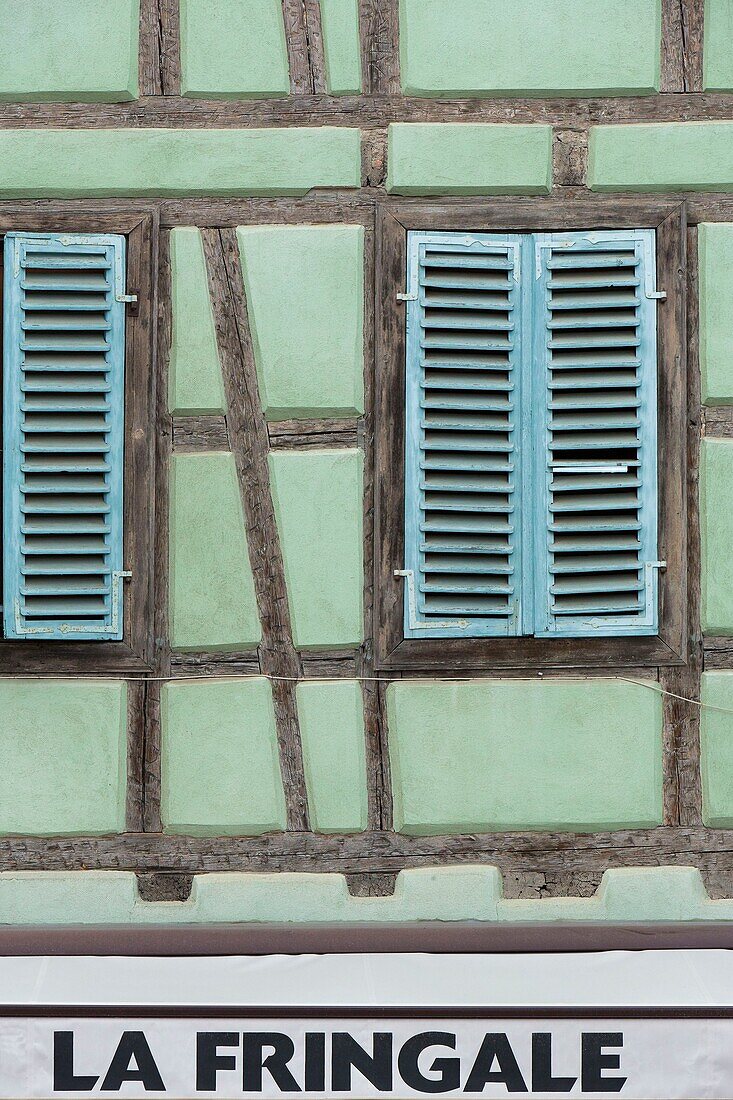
(130, 299)
(407, 297)
(417, 624)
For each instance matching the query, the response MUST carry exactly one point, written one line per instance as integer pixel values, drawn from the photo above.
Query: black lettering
(208, 1059)
(315, 1061)
(495, 1048)
(376, 1067)
(594, 1061)
(283, 1049)
(133, 1045)
(64, 1079)
(448, 1069)
(542, 1079)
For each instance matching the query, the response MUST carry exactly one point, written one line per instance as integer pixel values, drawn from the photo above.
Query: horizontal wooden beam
(711, 850)
(314, 433)
(200, 433)
(718, 421)
(369, 111)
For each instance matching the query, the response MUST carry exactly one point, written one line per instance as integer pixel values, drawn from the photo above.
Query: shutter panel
(596, 474)
(63, 436)
(462, 484)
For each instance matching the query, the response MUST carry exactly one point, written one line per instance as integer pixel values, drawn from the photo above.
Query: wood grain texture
(367, 112)
(681, 720)
(569, 158)
(380, 56)
(200, 433)
(316, 55)
(136, 727)
(711, 850)
(249, 441)
(682, 45)
(149, 49)
(313, 433)
(170, 48)
(718, 421)
(296, 39)
(151, 808)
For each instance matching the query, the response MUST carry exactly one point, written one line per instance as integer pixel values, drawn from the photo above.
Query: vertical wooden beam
(135, 800)
(170, 47)
(682, 45)
(379, 789)
(248, 434)
(296, 38)
(682, 782)
(159, 55)
(316, 54)
(380, 56)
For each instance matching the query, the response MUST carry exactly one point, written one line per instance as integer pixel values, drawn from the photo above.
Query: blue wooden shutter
(63, 436)
(462, 569)
(594, 404)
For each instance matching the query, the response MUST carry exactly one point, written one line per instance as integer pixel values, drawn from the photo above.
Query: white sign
(543, 1056)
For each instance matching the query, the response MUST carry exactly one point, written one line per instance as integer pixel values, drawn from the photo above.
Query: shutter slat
(596, 409)
(462, 542)
(63, 433)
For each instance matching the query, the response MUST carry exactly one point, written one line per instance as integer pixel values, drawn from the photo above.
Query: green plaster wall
(167, 162)
(432, 893)
(716, 522)
(233, 49)
(341, 46)
(212, 597)
(318, 507)
(63, 746)
(716, 744)
(195, 384)
(468, 159)
(675, 156)
(74, 50)
(715, 247)
(220, 770)
(535, 47)
(717, 55)
(331, 716)
(305, 298)
(489, 755)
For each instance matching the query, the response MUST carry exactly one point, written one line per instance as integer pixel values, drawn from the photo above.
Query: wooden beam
(159, 50)
(718, 421)
(200, 433)
(681, 720)
(376, 852)
(304, 40)
(682, 45)
(328, 432)
(380, 57)
(248, 436)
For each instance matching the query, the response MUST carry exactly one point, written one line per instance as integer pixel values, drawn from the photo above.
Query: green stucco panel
(469, 159)
(717, 54)
(716, 523)
(716, 746)
(535, 47)
(63, 746)
(331, 715)
(195, 373)
(305, 299)
(167, 162)
(489, 755)
(233, 49)
(318, 506)
(341, 48)
(69, 50)
(715, 246)
(213, 604)
(675, 156)
(220, 769)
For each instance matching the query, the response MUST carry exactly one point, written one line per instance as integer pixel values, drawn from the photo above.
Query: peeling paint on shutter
(462, 483)
(596, 567)
(63, 417)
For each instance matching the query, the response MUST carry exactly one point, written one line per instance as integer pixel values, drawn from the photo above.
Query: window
(530, 454)
(77, 441)
(530, 435)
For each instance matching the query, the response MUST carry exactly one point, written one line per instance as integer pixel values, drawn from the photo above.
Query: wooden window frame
(394, 652)
(135, 652)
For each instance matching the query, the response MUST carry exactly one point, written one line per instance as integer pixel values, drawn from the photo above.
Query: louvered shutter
(63, 436)
(462, 483)
(594, 404)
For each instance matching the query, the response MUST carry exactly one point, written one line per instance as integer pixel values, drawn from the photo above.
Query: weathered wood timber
(200, 433)
(249, 441)
(284, 434)
(681, 724)
(718, 421)
(682, 45)
(380, 56)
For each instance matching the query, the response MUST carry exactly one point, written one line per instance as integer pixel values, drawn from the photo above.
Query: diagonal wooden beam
(249, 441)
